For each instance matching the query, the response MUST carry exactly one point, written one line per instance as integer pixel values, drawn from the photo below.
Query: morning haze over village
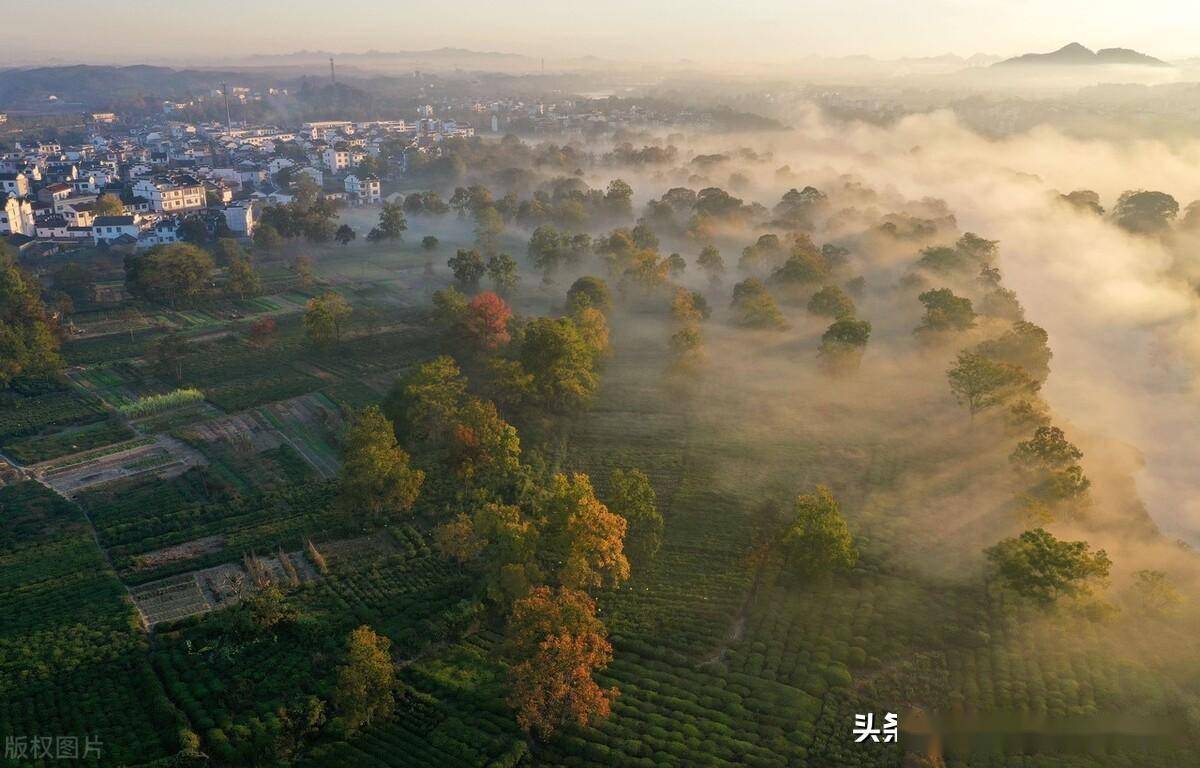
(578, 386)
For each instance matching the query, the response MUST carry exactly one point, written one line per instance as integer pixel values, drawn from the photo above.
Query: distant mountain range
(1074, 55)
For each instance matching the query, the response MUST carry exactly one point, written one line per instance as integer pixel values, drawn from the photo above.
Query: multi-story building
(14, 184)
(239, 217)
(171, 194)
(364, 190)
(107, 229)
(16, 217)
(336, 160)
(55, 194)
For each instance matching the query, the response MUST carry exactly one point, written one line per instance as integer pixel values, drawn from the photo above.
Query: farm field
(73, 660)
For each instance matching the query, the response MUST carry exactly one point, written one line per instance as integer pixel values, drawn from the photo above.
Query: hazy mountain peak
(1074, 54)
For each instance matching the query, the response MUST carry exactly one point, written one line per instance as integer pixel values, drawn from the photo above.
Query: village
(144, 186)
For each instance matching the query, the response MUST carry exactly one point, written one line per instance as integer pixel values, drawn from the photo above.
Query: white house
(171, 194)
(278, 164)
(52, 228)
(336, 160)
(164, 232)
(363, 190)
(16, 218)
(14, 184)
(55, 194)
(106, 229)
(239, 217)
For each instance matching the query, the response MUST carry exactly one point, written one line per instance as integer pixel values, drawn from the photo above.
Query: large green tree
(818, 540)
(324, 317)
(377, 480)
(168, 273)
(1044, 568)
(632, 497)
(28, 345)
(365, 688)
(979, 382)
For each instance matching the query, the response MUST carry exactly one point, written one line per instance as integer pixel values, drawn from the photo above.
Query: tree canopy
(377, 480)
(28, 344)
(1039, 566)
(818, 540)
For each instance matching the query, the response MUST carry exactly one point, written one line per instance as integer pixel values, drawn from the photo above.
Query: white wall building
(171, 195)
(363, 190)
(16, 218)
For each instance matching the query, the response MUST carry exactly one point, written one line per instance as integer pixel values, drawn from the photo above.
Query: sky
(650, 30)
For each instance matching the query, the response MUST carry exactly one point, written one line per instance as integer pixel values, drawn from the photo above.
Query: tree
(831, 301)
(818, 540)
(556, 644)
(547, 250)
(109, 205)
(226, 249)
(391, 223)
(345, 235)
(429, 243)
(589, 292)
(1155, 593)
(584, 541)
(28, 345)
(618, 198)
(192, 230)
(304, 271)
(324, 316)
(376, 478)
(1043, 568)
(945, 312)
(711, 263)
(1024, 346)
(842, 345)
(1084, 200)
(754, 306)
(980, 383)
(498, 541)
(168, 355)
(262, 332)
(804, 267)
(561, 361)
(687, 348)
(468, 268)
(632, 497)
(1048, 449)
(502, 271)
(167, 273)
(489, 225)
(424, 404)
(688, 307)
(676, 265)
(486, 321)
(267, 238)
(268, 609)
(1051, 464)
(241, 279)
(366, 682)
(1145, 213)
(77, 280)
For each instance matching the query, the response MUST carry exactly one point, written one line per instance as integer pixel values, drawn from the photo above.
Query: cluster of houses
(50, 193)
(220, 175)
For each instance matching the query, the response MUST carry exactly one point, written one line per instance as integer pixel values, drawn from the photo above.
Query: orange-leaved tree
(557, 643)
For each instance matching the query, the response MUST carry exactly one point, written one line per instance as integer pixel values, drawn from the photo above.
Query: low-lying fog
(1121, 310)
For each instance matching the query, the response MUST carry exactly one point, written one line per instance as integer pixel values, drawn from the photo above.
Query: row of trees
(28, 334)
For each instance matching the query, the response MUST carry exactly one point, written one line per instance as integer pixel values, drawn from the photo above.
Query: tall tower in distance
(228, 120)
(332, 76)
